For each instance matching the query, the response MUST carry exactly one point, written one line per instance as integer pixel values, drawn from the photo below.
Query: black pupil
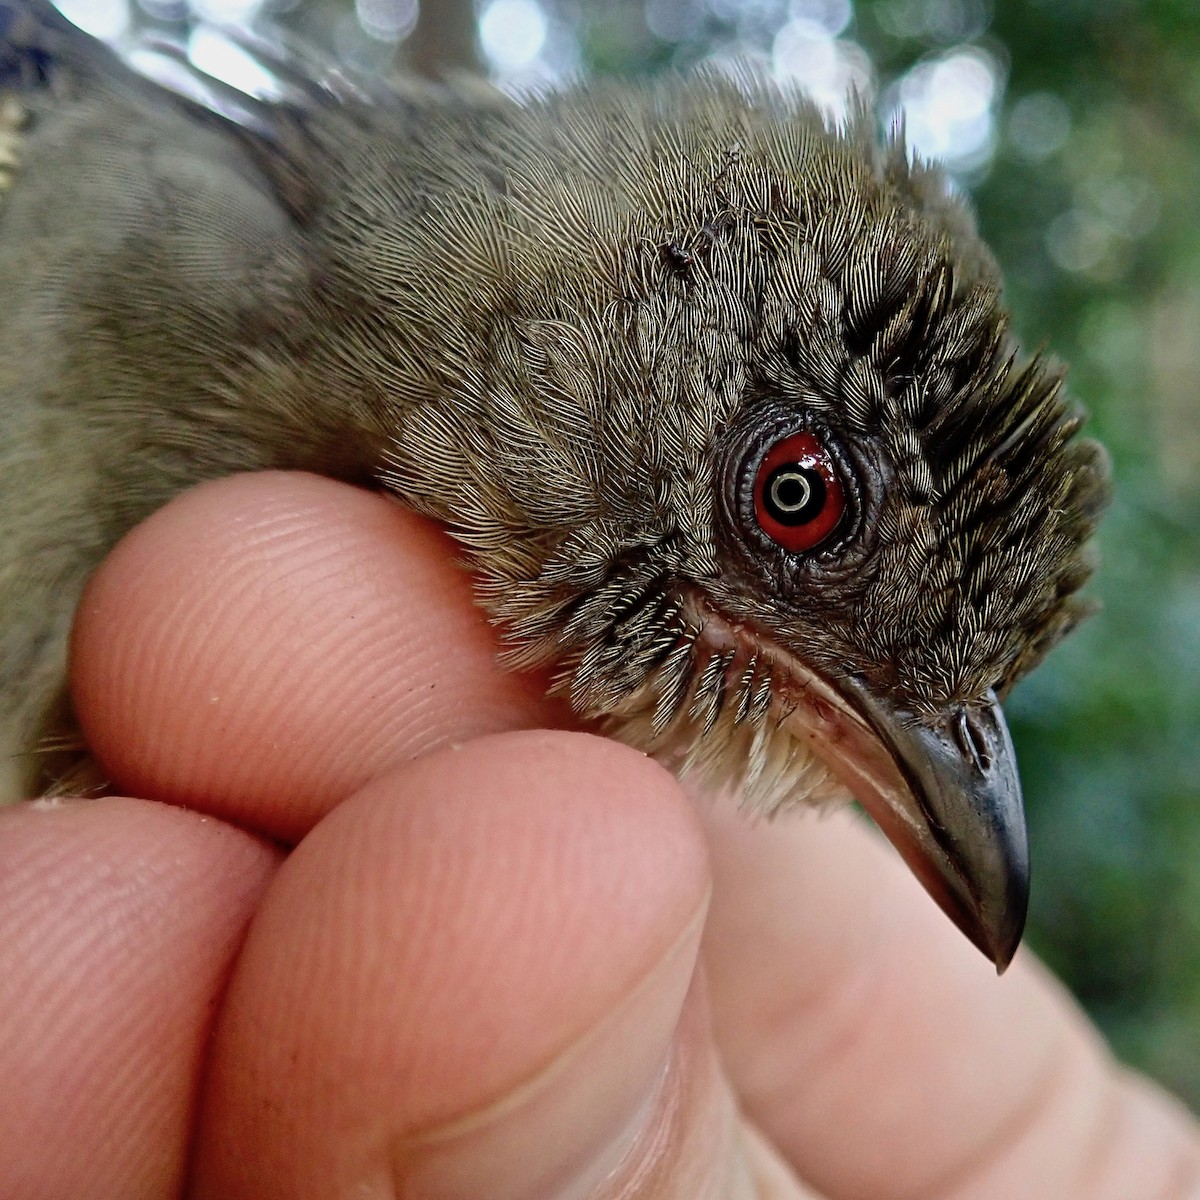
(794, 495)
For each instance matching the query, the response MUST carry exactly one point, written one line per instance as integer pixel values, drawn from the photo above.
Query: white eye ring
(791, 492)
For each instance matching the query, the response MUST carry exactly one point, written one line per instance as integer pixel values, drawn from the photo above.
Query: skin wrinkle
(768, 1177)
(663, 1161)
(1125, 1093)
(675, 1142)
(1107, 1124)
(544, 1075)
(1027, 1115)
(847, 991)
(650, 1140)
(1185, 1181)
(763, 908)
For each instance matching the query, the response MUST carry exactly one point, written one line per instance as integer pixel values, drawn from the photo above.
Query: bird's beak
(944, 791)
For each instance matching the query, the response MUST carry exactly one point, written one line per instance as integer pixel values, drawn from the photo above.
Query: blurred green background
(1076, 128)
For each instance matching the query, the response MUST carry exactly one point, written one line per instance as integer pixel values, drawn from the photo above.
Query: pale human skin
(502, 963)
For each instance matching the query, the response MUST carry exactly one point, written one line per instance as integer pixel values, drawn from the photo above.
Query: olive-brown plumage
(575, 331)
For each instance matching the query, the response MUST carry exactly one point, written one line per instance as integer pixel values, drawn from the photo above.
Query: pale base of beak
(944, 791)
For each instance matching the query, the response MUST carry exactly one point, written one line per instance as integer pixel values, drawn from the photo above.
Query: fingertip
(441, 941)
(118, 922)
(267, 643)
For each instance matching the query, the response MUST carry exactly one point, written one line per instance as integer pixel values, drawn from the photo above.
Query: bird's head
(759, 470)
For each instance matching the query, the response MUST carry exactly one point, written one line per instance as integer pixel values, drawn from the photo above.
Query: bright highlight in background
(512, 33)
(829, 16)
(107, 19)
(949, 107)
(828, 69)
(226, 12)
(215, 54)
(387, 20)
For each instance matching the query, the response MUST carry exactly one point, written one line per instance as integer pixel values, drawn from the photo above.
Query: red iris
(798, 497)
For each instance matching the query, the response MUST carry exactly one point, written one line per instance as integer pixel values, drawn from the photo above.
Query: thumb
(476, 977)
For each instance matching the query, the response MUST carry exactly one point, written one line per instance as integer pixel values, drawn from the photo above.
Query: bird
(719, 398)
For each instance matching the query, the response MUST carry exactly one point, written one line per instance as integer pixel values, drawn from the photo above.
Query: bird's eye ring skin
(776, 462)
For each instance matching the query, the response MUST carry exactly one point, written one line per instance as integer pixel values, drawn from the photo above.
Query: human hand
(497, 963)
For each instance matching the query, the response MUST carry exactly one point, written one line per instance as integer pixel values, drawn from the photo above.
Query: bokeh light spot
(828, 69)
(512, 33)
(1039, 125)
(830, 16)
(1078, 240)
(948, 106)
(227, 12)
(673, 20)
(107, 19)
(214, 53)
(387, 20)
(939, 21)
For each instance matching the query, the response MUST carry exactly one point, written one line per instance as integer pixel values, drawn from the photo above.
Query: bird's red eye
(798, 497)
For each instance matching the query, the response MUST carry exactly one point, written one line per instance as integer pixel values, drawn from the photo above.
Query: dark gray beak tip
(943, 788)
(1007, 936)
(973, 797)
(993, 922)
(964, 831)
(999, 940)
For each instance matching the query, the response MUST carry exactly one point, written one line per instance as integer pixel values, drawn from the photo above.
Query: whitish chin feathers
(667, 673)
(715, 710)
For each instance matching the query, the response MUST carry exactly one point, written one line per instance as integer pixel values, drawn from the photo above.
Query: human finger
(476, 978)
(265, 644)
(882, 1055)
(118, 922)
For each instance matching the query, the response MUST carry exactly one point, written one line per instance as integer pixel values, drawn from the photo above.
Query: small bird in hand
(721, 404)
